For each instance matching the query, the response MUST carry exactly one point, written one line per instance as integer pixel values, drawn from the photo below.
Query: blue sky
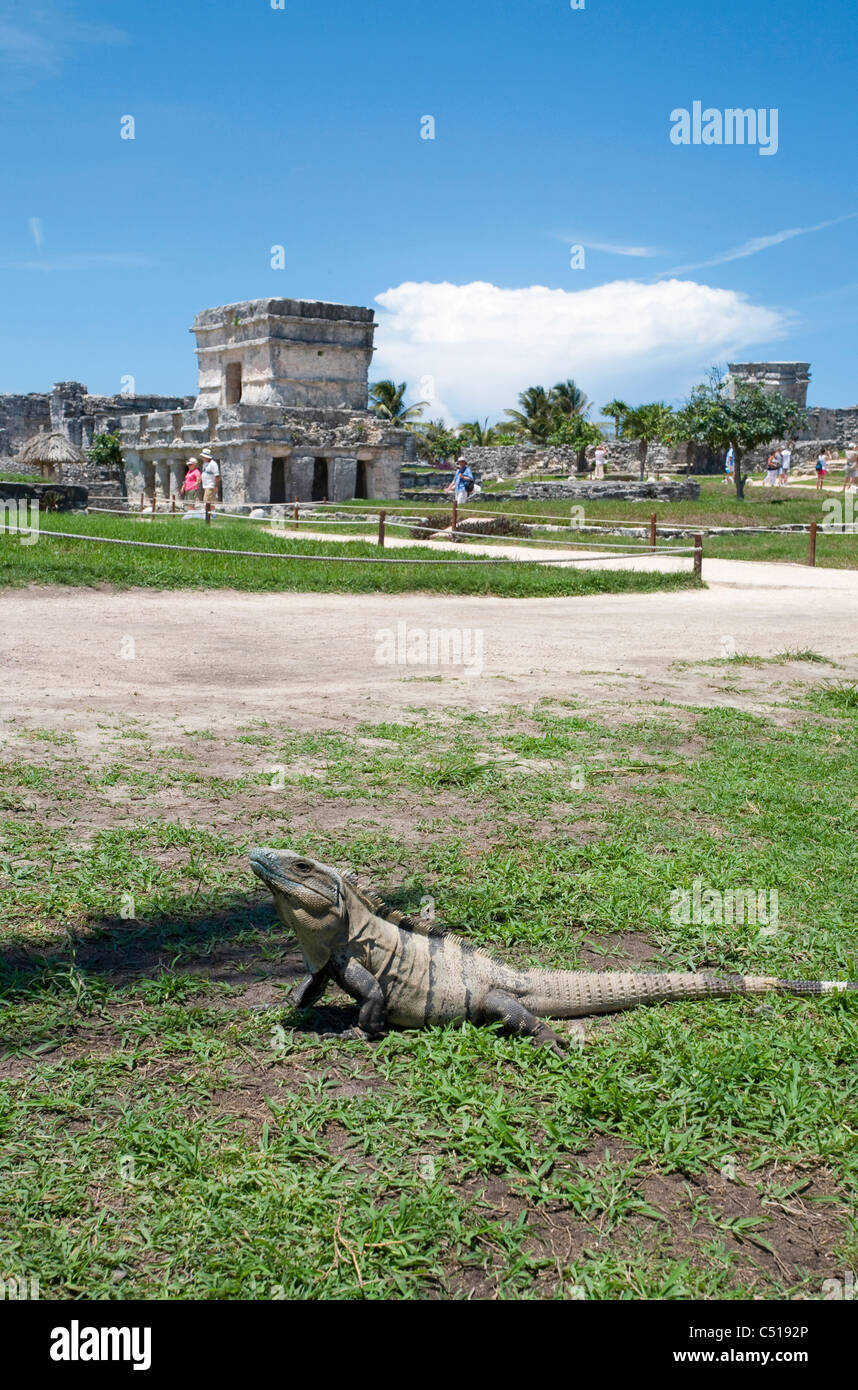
(300, 127)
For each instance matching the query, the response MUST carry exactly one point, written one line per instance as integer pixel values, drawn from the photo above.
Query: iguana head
(309, 898)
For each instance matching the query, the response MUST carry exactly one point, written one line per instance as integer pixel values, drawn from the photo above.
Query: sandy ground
(71, 657)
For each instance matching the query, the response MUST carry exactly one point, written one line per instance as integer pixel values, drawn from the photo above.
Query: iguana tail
(574, 993)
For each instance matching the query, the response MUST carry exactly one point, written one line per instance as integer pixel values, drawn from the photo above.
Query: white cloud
(483, 344)
(758, 243)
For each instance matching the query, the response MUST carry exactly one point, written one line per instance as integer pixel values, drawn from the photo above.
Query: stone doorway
(360, 480)
(320, 480)
(278, 480)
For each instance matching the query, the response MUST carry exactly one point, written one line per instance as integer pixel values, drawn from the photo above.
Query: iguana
(402, 972)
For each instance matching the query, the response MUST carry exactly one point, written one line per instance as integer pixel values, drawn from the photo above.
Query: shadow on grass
(214, 943)
(242, 945)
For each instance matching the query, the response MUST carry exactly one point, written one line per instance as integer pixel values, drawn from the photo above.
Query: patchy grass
(319, 568)
(170, 1128)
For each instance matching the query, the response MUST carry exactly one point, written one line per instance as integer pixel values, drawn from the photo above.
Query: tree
(617, 411)
(543, 411)
(480, 435)
(105, 451)
(534, 419)
(568, 398)
(746, 420)
(436, 442)
(648, 424)
(387, 399)
(578, 434)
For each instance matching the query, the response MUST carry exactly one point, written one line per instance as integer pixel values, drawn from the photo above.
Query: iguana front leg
(362, 986)
(309, 991)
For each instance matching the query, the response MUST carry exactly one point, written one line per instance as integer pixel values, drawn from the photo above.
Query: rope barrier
(335, 559)
(429, 530)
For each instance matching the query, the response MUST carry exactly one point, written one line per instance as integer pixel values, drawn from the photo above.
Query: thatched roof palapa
(53, 449)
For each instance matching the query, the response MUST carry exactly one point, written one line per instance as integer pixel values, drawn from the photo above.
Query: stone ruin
(282, 403)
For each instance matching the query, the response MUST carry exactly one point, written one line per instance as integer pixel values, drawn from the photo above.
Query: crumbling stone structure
(69, 409)
(282, 404)
(791, 379)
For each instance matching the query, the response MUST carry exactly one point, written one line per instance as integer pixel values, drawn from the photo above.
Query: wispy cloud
(617, 250)
(755, 244)
(612, 248)
(37, 43)
(36, 230)
(96, 260)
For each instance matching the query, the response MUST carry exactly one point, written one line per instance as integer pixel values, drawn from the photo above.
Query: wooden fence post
(208, 513)
(455, 514)
(811, 559)
(381, 517)
(698, 556)
(153, 503)
(295, 513)
(142, 500)
(173, 504)
(652, 532)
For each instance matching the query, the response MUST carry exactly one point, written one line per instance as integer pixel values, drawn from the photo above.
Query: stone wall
(622, 456)
(668, 490)
(69, 409)
(20, 418)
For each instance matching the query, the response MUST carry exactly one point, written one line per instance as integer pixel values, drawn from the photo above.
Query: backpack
(469, 486)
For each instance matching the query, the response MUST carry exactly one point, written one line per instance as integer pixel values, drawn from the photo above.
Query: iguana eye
(303, 864)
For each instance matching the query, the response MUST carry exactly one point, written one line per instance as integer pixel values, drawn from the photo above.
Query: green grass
(76, 562)
(170, 1128)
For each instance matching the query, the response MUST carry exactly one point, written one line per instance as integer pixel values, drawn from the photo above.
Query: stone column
(342, 475)
(299, 478)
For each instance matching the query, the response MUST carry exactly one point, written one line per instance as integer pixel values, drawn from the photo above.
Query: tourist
(191, 483)
(463, 482)
(821, 467)
(773, 463)
(211, 473)
(601, 458)
(851, 476)
(729, 465)
(785, 461)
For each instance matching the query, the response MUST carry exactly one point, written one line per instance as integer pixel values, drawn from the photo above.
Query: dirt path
(72, 657)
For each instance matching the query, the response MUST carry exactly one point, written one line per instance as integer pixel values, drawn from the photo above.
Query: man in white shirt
(785, 461)
(211, 473)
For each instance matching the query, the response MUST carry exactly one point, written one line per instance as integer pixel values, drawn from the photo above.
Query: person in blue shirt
(463, 482)
(729, 465)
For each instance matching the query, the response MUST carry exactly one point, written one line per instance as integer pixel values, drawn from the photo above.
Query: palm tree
(387, 400)
(648, 424)
(617, 411)
(569, 398)
(534, 419)
(479, 435)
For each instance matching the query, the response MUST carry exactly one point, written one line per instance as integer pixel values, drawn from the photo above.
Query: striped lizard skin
(400, 971)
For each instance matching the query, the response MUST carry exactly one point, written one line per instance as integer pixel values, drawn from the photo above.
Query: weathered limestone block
(342, 474)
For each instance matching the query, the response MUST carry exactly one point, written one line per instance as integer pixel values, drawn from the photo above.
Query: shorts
(461, 495)
(210, 494)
